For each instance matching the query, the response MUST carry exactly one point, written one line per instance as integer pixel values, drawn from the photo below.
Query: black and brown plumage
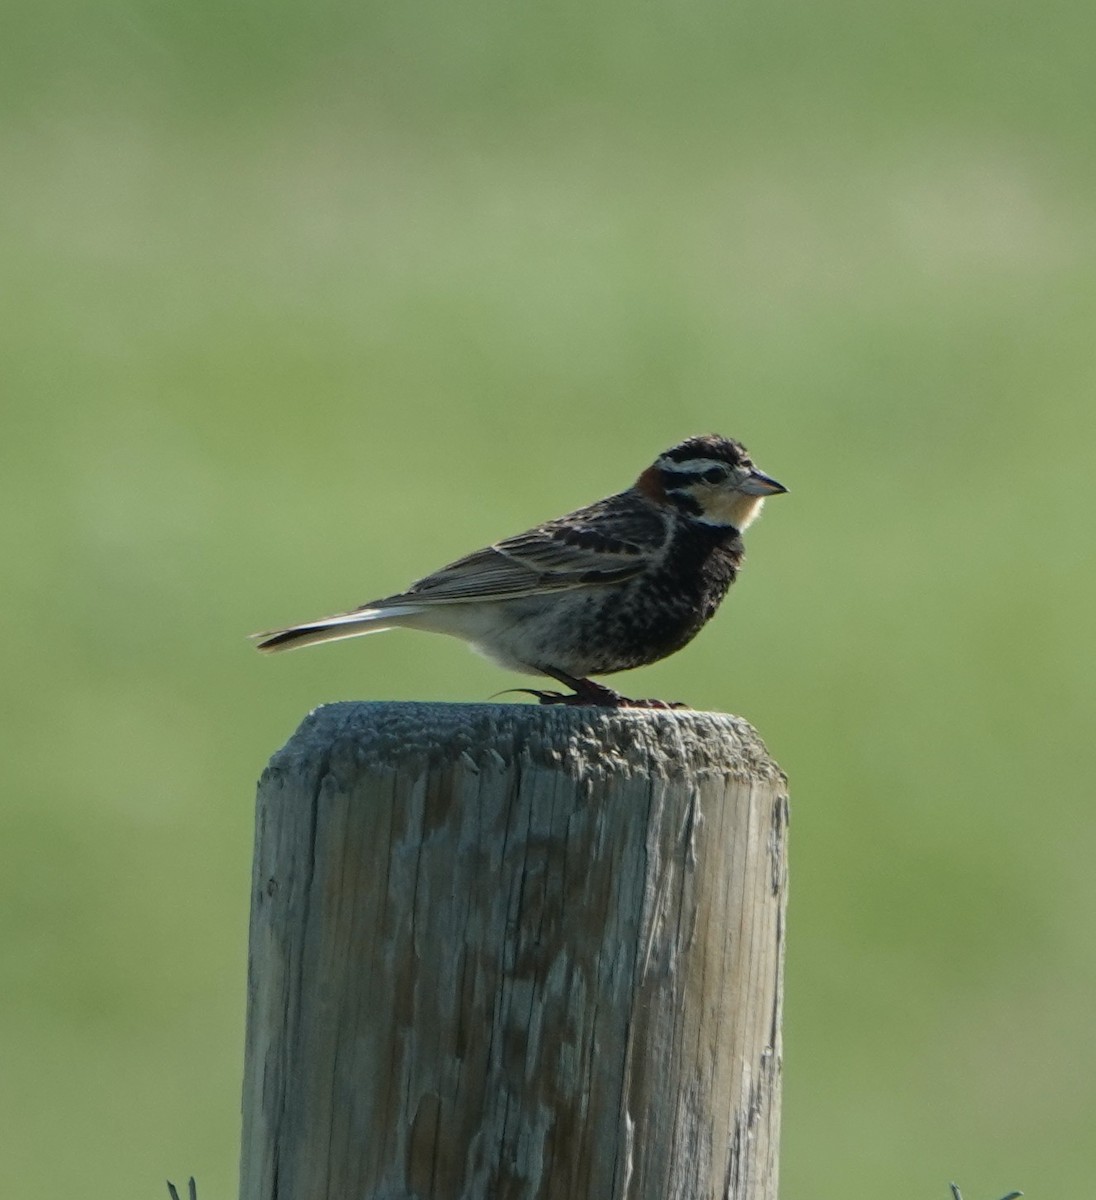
(618, 584)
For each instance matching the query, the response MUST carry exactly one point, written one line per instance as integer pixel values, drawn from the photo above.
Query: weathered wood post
(506, 952)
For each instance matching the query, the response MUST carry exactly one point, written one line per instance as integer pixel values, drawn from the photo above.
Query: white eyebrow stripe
(695, 466)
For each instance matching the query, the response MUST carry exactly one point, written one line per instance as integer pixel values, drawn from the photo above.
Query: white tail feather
(336, 628)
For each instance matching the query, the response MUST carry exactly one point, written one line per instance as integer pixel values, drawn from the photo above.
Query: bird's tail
(334, 629)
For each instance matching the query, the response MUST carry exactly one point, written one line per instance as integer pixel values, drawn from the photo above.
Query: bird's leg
(587, 692)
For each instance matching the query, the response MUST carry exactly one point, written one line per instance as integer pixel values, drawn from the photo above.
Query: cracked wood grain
(502, 952)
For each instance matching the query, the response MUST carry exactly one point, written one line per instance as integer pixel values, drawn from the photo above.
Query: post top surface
(652, 741)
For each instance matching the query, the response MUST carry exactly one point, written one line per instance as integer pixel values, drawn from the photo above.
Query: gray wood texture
(505, 952)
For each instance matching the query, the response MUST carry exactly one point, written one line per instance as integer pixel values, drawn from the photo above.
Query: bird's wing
(606, 543)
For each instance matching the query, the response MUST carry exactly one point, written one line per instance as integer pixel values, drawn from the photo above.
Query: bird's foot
(589, 694)
(596, 696)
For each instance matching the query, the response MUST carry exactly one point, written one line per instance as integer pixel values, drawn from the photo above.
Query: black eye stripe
(672, 480)
(685, 479)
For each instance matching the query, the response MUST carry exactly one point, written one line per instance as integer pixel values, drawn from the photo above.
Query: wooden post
(507, 952)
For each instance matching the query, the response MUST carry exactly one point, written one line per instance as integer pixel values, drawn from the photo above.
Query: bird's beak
(758, 484)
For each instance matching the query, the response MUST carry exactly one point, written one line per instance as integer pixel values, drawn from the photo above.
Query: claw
(571, 698)
(603, 698)
(596, 697)
(526, 692)
(545, 697)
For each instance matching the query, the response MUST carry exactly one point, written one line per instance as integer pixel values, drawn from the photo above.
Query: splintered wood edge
(659, 742)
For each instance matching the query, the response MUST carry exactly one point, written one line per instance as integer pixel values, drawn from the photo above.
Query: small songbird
(615, 585)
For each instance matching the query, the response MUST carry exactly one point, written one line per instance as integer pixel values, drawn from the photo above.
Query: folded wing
(605, 543)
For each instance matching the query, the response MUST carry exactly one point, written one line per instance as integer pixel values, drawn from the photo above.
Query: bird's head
(710, 479)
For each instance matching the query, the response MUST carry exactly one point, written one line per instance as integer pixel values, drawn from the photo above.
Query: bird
(620, 583)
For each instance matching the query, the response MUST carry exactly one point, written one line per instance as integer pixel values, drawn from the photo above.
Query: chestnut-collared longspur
(618, 584)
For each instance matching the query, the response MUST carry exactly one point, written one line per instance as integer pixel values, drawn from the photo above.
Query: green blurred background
(298, 302)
